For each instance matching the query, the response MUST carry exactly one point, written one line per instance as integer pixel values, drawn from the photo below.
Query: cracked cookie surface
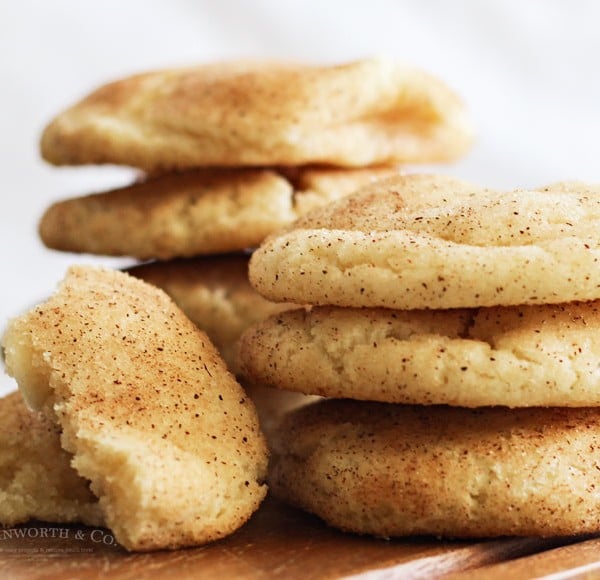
(520, 356)
(195, 213)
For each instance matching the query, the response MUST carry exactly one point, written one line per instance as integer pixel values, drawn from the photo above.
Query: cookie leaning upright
(420, 241)
(152, 417)
(367, 112)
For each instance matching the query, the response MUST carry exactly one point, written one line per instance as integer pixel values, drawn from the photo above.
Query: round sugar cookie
(396, 470)
(234, 114)
(520, 356)
(155, 421)
(419, 241)
(196, 212)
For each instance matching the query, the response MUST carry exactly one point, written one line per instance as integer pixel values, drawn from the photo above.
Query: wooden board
(278, 542)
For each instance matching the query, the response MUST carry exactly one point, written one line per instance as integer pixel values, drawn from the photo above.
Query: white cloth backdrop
(529, 72)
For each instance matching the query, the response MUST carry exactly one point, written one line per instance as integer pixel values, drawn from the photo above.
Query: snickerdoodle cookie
(420, 241)
(519, 356)
(197, 212)
(397, 470)
(367, 112)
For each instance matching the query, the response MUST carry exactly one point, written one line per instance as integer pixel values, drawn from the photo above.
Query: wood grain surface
(578, 560)
(281, 542)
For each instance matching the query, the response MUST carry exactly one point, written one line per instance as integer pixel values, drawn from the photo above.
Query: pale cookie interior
(36, 477)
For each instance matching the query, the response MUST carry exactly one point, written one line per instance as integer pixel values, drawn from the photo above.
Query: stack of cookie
(464, 324)
(231, 153)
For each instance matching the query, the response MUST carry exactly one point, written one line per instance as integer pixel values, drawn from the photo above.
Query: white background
(528, 70)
